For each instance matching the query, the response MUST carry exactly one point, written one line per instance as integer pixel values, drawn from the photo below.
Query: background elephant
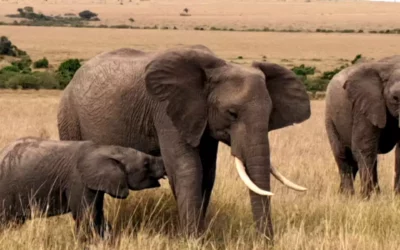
(362, 111)
(179, 103)
(65, 176)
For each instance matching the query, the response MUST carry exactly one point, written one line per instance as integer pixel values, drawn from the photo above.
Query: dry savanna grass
(325, 51)
(318, 219)
(237, 14)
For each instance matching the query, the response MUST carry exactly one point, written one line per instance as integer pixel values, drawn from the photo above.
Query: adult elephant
(179, 103)
(362, 121)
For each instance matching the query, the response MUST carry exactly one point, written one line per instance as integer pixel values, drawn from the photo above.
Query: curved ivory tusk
(285, 181)
(246, 179)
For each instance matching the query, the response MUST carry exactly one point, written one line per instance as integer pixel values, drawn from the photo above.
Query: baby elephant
(58, 177)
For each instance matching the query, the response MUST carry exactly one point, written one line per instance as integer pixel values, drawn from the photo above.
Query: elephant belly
(389, 136)
(113, 130)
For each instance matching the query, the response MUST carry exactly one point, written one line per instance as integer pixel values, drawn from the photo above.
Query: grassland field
(317, 219)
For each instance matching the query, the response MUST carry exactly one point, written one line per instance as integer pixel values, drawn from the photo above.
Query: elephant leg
(377, 189)
(185, 173)
(348, 169)
(87, 210)
(365, 149)
(397, 170)
(101, 226)
(347, 166)
(208, 155)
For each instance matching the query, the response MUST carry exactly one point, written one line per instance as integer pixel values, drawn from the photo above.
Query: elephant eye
(233, 114)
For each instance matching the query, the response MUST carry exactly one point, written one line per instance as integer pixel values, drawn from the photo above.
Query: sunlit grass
(317, 219)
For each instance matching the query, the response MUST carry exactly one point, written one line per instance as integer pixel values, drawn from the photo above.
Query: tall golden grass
(317, 219)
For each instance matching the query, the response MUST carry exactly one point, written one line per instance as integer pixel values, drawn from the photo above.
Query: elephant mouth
(253, 187)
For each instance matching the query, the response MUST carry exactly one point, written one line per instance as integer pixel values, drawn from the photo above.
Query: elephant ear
(102, 172)
(178, 76)
(290, 101)
(364, 88)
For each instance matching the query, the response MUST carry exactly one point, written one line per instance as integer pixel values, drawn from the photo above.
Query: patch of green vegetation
(41, 64)
(303, 71)
(66, 71)
(19, 74)
(8, 49)
(316, 83)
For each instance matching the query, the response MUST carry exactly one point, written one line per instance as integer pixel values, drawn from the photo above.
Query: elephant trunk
(258, 169)
(256, 176)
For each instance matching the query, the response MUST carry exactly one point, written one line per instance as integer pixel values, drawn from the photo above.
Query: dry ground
(318, 219)
(238, 14)
(325, 51)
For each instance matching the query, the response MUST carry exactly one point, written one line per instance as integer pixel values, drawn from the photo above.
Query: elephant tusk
(246, 179)
(285, 181)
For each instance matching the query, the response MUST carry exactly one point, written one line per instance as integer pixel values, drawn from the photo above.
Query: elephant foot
(377, 190)
(366, 192)
(347, 190)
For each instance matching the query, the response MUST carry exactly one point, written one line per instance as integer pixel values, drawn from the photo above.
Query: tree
(186, 10)
(28, 9)
(131, 20)
(87, 14)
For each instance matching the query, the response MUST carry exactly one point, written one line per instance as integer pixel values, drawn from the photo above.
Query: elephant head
(374, 87)
(114, 170)
(234, 104)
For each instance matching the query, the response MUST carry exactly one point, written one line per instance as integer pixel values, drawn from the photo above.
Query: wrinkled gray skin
(180, 103)
(362, 111)
(58, 177)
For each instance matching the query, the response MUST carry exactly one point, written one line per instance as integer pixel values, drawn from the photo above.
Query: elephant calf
(58, 177)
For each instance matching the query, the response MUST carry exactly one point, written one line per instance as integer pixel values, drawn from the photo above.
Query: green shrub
(328, 75)
(24, 63)
(316, 84)
(87, 14)
(8, 49)
(302, 71)
(23, 81)
(47, 80)
(42, 63)
(356, 59)
(70, 66)
(11, 68)
(66, 71)
(4, 77)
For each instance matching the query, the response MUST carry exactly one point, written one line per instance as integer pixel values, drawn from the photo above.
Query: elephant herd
(178, 104)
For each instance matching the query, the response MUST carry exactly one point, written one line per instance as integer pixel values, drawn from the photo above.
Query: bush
(87, 14)
(356, 59)
(328, 75)
(46, 80)
(302, 71)
(42, 63)
(5, 76)
(23, 64)
(28, 9)
(316, 84)
(11, 68)
(8, 49)
(66, 71)
(23, 81)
